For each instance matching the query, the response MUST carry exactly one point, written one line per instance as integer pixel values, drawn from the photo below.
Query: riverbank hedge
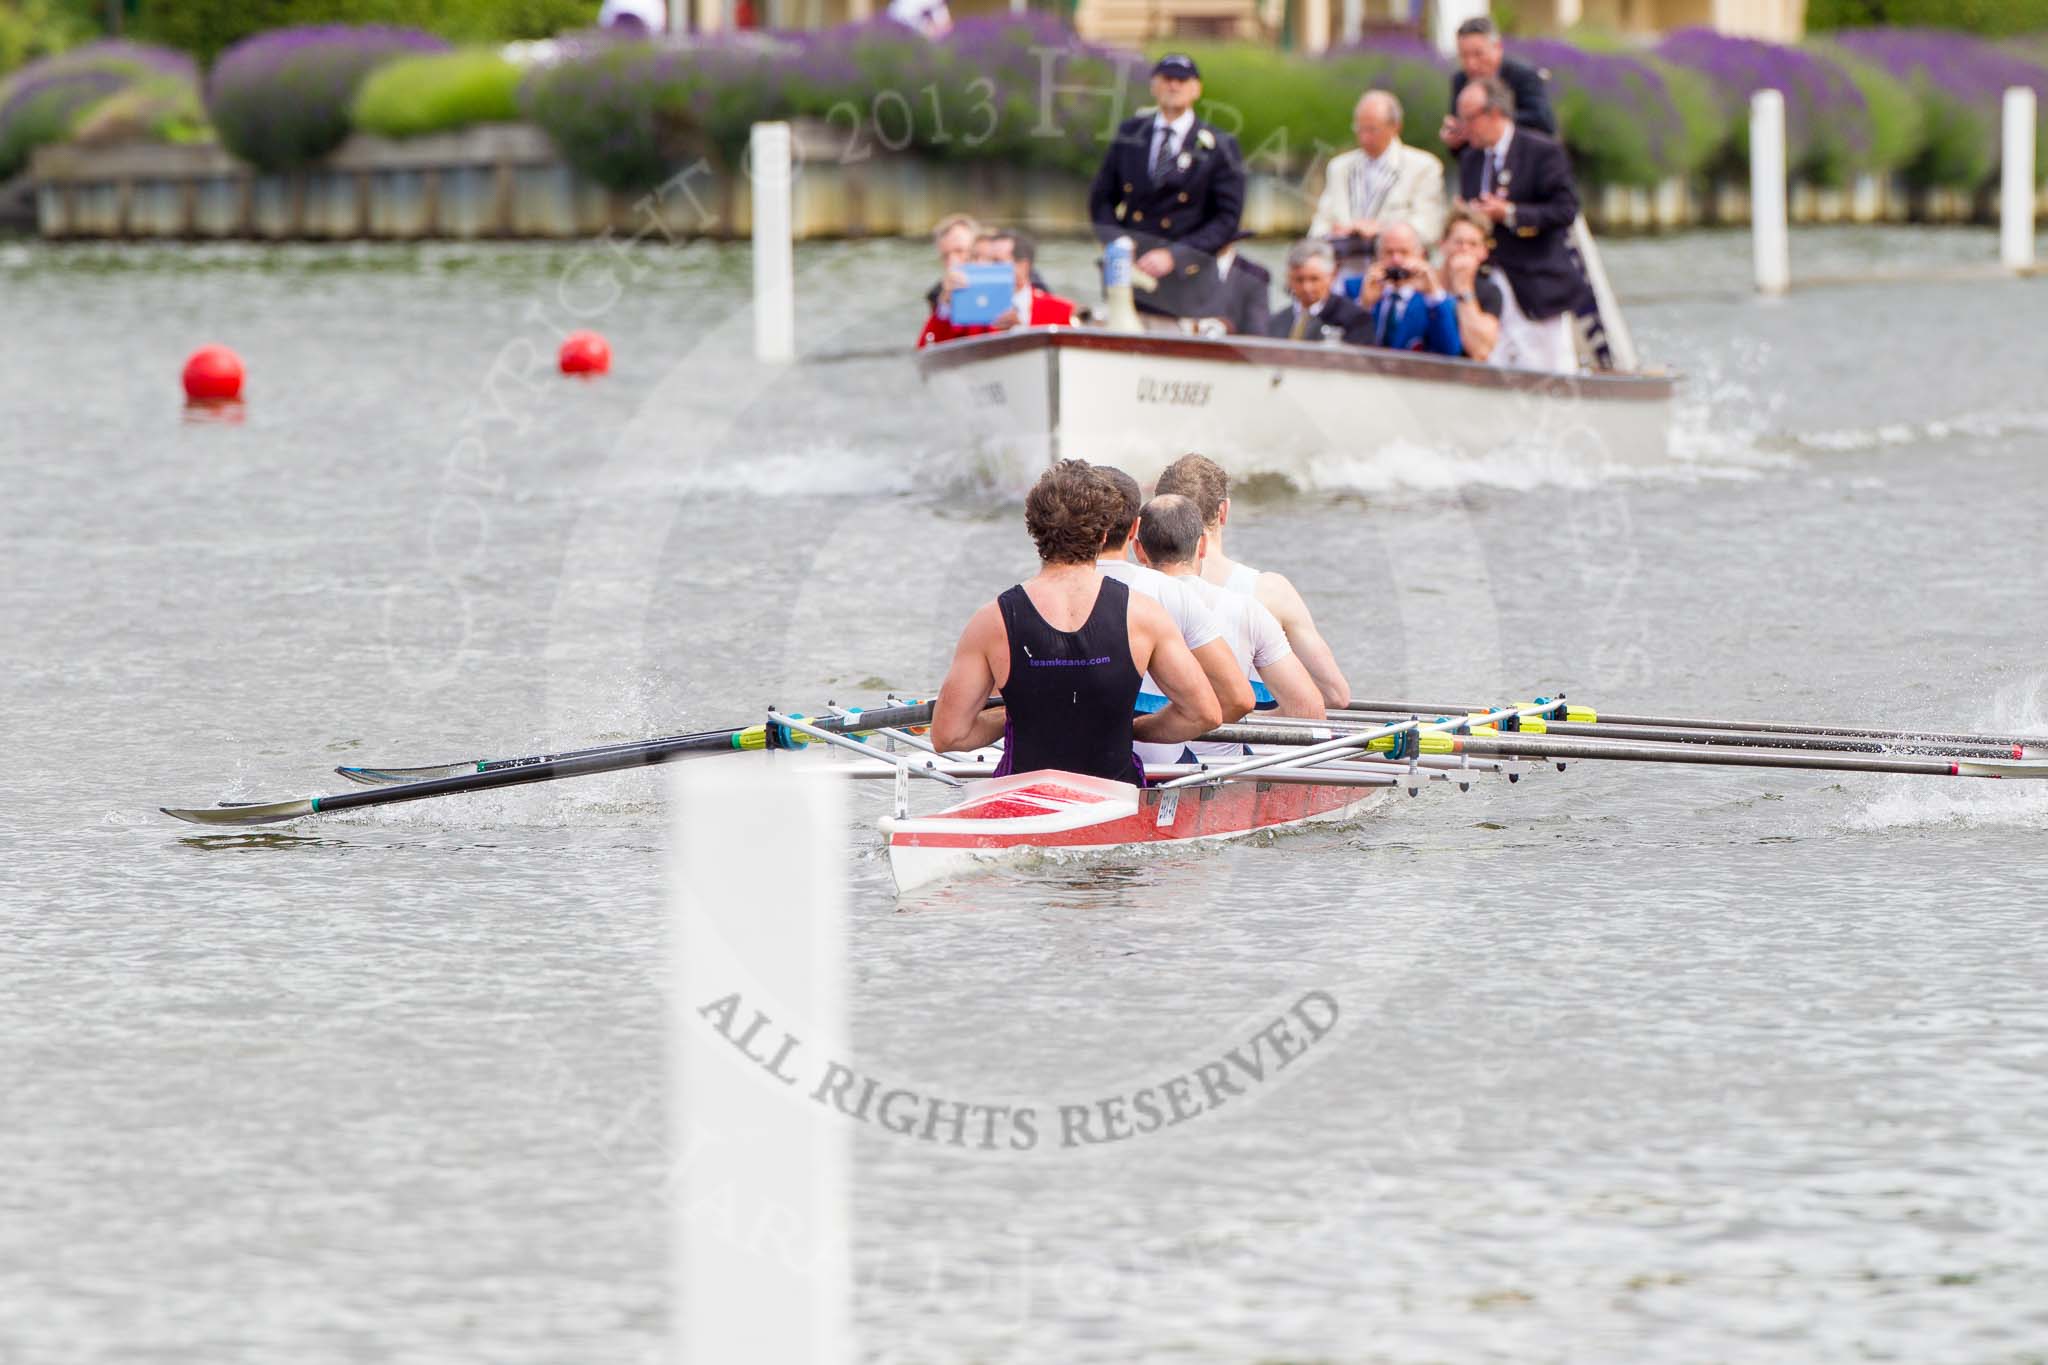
(1024, 91)
(52, 99)
(1872, 101)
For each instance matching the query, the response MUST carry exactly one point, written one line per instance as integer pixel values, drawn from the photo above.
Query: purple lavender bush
(45, 101)
(282, 99)
(628, 114)
(1828, 124)
(1961, 81)
(623, 113)
(1626, 120)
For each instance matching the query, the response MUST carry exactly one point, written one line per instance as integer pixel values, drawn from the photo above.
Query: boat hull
(1298, 409)
(1007, 819)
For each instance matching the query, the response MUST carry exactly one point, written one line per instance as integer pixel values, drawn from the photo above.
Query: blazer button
(1194, 270)
(1127, 187)
(1165, 223)
(1137, 217)
(1183, 196)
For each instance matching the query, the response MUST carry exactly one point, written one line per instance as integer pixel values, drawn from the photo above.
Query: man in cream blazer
(1382, 180)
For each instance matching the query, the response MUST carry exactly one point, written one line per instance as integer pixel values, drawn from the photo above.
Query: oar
(1586, 715)
(1436, 741)
(546, 769)
(1606, 728)
(1379, 736)
(712, 741)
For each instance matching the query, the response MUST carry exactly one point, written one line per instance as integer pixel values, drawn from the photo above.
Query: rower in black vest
(1066, 650)
(1071, 693)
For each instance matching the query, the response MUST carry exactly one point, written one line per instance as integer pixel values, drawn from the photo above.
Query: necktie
(1163, 158)
(1388, 309)
(1492, 171)
(1300, 327)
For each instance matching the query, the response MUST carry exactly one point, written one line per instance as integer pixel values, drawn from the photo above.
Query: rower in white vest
(1202, 480)
(1170, 539)
(1199, 628)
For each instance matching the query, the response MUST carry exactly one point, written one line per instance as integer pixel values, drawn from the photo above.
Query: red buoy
(586, 353)
(213, 375)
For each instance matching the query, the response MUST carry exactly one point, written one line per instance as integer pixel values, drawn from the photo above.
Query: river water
(1636, 1064)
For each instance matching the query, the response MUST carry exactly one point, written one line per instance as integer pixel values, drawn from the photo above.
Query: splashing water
(1911, 803)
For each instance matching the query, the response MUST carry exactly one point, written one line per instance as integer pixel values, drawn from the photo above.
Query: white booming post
(1447, 15)
(2016, 185)
(1767, 191)
(774, 260)
(760, 1210)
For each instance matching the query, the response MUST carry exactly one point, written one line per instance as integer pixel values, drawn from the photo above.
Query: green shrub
(34, 29)
(282, 99)
(1289, 112)
(1896, 119)
(432, 94)
(152, 111)
(1704, 129)
(205, 27)
(45, 101)
(1975, 16)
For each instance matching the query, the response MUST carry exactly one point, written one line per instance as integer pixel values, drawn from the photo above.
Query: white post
(1767, 191)
(774, 260)
(759, 1196)
(1448, 14)
(2016, 186)
(678, 16)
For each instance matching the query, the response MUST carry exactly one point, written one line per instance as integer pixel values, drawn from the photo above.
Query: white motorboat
(1033, 395)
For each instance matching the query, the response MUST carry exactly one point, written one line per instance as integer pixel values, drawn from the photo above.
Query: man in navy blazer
(1521, 181)
(1175, 186)
(1407, 302)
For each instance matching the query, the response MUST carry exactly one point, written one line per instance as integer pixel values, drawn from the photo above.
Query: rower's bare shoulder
(984, 627)
(1146, 613)
(1276, 593)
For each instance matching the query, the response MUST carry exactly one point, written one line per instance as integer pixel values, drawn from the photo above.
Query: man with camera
(1408, 307)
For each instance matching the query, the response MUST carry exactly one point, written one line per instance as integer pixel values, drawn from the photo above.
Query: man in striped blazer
(1383, 180)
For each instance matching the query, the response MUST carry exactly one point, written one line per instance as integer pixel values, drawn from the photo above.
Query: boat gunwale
(1276, 353)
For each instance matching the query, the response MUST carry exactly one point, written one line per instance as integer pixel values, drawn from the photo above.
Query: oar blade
(270, 813)
(2002, 767)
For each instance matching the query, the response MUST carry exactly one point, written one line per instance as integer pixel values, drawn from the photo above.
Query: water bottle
(1120, 303)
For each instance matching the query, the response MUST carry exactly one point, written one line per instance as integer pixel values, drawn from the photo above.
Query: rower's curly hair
(1070, 510)
(1200, 478)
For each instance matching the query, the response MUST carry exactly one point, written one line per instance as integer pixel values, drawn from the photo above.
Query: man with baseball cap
(1175, 186)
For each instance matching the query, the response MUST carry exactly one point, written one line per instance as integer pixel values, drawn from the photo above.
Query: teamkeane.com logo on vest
(1233, 1074)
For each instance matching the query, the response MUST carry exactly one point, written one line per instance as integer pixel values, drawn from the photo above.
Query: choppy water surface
(1686, 1065)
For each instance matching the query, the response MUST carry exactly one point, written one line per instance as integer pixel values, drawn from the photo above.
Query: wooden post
(1767, 192)
(2016, 182)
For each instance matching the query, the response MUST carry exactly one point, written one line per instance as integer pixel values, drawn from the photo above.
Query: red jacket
(1047, 310)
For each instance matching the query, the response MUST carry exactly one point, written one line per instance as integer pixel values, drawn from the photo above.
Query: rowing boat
(1313, 772)
(1025, 815)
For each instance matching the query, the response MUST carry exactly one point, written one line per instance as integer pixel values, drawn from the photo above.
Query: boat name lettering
(1185, 393)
